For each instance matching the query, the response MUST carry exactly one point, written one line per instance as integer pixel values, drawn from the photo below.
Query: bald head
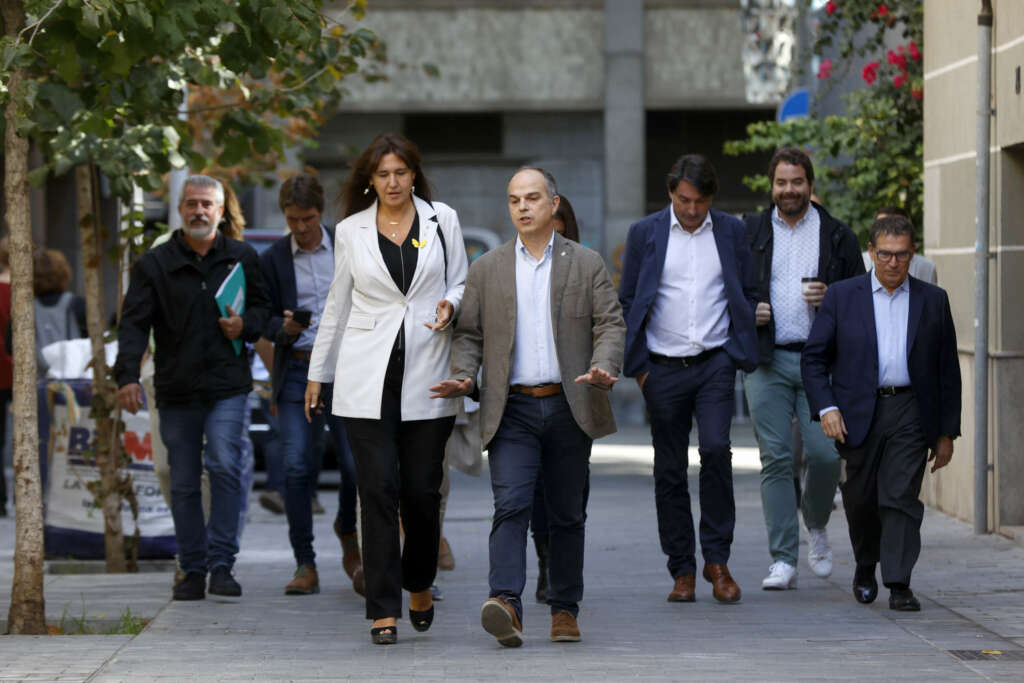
(532, 200)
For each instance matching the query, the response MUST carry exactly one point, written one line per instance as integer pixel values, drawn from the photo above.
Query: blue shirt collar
(876, 285)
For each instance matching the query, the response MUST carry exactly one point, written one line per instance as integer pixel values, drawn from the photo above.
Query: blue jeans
(674, 396)
(538, 437)
(300, 471)
(205, 545)
(272, 459)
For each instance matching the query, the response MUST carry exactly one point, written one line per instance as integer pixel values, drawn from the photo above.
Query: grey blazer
(586, 322)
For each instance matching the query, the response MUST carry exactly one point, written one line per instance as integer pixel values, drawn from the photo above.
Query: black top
(401, 261)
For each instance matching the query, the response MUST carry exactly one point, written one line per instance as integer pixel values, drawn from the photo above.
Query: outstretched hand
(597, 377)
(450, 388)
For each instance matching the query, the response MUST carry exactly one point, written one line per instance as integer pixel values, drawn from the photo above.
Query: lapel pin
(563, 253)
(418, 244)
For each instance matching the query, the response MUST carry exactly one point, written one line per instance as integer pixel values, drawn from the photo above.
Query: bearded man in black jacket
(202, 381)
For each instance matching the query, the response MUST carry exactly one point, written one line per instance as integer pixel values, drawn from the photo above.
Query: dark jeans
(398, 465)
(201, 545)
(882, 489)
(272, 459)
(674, 396)
(297, 436)
(538, 437)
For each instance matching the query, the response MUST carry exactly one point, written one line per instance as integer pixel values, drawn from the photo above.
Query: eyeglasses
(888, 256)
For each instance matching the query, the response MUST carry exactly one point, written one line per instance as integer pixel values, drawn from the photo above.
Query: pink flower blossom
(916, 93)
(825, 70)
(915, 54)
(898, 80)
(831, 7)
(870, 73)
(898, 59)
(881, 12)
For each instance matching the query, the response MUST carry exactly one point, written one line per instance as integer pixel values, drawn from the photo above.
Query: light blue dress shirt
(314, 271)
(534, 360)
(892, 313)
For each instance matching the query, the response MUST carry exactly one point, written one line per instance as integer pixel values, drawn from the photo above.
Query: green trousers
(775, 394)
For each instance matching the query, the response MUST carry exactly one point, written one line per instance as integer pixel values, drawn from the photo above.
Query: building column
(624, 119)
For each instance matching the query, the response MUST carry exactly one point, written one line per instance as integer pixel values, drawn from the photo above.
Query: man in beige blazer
(542, 317)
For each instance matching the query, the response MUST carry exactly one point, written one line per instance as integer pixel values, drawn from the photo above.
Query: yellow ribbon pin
(419, 245)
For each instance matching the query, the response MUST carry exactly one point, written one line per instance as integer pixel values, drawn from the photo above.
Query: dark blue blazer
(840, 359)
(642, 264)
(279, 277)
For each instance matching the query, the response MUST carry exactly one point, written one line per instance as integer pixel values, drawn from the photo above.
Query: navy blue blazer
(840, 359)
(278, 268)
(642, 264)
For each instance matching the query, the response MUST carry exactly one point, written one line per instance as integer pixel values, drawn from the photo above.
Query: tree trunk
(104, 403)
(28, 609)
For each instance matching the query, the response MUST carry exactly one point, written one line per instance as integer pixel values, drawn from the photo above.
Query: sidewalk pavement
(971, 589)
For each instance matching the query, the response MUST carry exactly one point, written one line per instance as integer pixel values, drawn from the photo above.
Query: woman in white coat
(400, 268)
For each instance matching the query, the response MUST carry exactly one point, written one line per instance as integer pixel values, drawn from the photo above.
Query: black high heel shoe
(421, 619)
(384, 635)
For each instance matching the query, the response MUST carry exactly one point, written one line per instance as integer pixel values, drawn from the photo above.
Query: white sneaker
(819, 557)
(780, 577)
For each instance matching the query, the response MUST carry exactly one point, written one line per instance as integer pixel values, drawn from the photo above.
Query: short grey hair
(549, 179)
(199, 180)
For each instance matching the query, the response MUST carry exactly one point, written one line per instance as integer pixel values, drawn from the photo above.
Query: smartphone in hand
(302, 317)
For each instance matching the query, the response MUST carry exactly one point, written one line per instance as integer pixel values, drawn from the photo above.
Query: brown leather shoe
(500, 620)
(564, 628)
(445, 558)
(683, 590)
(722, 586)
(306, 582)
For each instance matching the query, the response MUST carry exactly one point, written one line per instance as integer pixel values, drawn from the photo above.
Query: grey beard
(198, 233)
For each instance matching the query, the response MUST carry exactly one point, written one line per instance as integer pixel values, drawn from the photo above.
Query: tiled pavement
(972, 589)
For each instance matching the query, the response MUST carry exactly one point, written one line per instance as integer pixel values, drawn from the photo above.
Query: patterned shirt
(794, 256)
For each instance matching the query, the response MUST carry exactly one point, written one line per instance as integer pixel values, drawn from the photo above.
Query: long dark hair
(353, 199)
(565, 214)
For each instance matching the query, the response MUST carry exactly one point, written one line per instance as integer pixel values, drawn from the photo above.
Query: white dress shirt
(690, 313)
(314, 271)
(534, 360)
(794, 256)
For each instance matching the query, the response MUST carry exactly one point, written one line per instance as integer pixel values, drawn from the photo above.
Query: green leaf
(37, 176)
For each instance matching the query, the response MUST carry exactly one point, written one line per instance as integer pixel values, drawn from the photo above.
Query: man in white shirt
(799, 250)
(690, 324)
(541, 317)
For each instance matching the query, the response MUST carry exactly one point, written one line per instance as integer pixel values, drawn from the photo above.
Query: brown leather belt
(300, 355)
(538, 391)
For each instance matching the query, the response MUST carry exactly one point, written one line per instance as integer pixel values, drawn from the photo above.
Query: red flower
(916, 93)
(830, 7)
(870, 73)
(899, 79)
(825, 70)
(898, 59)
(881, 12)
(915, 54)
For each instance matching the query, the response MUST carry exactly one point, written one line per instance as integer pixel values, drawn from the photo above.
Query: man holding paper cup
(798, 250)
(198, 293)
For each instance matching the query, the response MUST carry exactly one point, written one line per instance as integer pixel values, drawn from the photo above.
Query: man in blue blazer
(881, 372)
(690, 323)
(298, 269)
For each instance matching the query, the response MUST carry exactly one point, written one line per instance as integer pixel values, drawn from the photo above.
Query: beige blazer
(365, 309)
(586, 322)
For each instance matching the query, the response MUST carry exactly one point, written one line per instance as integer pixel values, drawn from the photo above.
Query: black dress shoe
(222, 583)
(903, 601)
(865, 587)
(191, 587)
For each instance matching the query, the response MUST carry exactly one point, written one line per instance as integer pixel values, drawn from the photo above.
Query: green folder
(232, 293)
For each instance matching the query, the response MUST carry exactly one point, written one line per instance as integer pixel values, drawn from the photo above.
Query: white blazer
(365, 309)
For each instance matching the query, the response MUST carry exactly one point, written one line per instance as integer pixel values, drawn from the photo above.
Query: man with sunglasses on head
(882, 374)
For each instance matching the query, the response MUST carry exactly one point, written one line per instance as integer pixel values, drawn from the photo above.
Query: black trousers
(398, 467)
(883, 483)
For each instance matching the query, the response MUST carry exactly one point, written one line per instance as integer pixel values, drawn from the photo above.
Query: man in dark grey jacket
(202, 380)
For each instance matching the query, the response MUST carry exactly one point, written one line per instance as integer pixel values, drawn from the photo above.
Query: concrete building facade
(951, 72)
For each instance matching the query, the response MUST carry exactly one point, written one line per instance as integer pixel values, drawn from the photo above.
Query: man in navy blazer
(881, 372)
(689, 315)
(298, 269)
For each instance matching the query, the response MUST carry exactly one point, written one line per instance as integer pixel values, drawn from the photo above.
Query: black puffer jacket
(172, 292)
(838, 258)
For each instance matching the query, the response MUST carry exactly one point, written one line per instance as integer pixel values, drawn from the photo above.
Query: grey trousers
(882, 489)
